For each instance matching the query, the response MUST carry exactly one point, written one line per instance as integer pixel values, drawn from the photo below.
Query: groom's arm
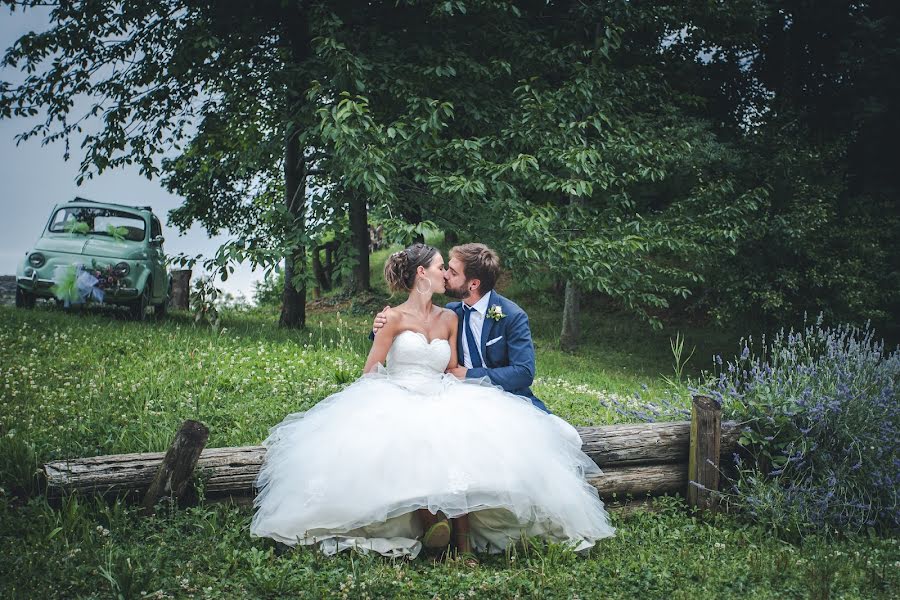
(520, 350)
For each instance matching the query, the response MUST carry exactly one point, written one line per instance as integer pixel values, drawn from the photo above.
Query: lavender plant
(822, 429)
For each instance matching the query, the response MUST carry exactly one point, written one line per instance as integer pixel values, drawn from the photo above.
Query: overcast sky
(34, 178)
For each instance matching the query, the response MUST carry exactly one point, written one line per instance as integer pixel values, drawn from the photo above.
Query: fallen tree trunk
(636, 459)
(220, 470)
(646, 480)
(646, 443)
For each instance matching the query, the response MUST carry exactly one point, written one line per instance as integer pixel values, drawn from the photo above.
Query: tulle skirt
(352, 471)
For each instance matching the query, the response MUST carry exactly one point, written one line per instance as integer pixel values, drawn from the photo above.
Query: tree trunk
(295, 38)
(413, 214)
(293, 300)
(571, 330)
(329, 277)
(318, 273)
(359, 240)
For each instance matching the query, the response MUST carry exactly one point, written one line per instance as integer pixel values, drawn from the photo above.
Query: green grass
(96, 550)
(86, 384)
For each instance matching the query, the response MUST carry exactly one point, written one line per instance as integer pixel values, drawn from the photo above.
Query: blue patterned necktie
(473, 347)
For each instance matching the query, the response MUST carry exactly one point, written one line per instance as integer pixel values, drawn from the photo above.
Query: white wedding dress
(351, 471)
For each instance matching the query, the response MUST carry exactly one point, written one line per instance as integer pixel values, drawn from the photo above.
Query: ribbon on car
(87, 287)
(73, 285)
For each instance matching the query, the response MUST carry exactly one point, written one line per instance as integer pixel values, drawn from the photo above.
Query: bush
(822, 430)
(269, 291)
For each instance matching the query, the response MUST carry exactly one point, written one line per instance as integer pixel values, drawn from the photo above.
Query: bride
(408, 453)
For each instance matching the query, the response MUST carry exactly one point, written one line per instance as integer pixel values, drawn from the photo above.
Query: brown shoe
(438, 535)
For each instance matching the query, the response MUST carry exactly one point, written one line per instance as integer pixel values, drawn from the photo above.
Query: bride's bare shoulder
(448, 315)
(394, 318)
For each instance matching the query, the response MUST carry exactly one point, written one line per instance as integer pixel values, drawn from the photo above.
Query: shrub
(269, 291)
(204, 302)
(822, 429)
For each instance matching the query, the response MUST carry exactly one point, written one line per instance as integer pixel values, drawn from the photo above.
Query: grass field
(87, 384)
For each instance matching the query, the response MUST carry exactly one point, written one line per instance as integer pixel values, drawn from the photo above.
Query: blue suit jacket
(506, 349)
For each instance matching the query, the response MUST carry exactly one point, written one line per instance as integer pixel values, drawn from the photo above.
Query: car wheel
(138, 307)
(24, 298)
(162, 309)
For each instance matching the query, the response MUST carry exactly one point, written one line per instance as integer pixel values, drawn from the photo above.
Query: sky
(36, 177)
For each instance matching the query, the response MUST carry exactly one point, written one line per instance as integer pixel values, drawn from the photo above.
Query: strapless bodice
(412, 354)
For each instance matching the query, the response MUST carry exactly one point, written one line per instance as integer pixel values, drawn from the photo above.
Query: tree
(805, 89)
(175, 76)
(597, 171)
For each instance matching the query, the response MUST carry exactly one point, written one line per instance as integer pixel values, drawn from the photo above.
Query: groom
(494, 337)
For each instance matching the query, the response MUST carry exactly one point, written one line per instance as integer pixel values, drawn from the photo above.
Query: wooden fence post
(703, 459)
(175, 471)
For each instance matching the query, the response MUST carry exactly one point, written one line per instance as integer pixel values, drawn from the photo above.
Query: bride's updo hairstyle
(400, 268)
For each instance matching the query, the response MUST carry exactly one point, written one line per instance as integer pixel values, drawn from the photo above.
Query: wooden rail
(637, 460)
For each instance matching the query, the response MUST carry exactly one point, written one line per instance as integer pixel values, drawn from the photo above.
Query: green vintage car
(119, 247)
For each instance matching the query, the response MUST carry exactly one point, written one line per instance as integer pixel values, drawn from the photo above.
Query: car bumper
(41, 287)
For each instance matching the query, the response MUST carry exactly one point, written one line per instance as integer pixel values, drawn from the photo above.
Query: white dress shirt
(476, 324)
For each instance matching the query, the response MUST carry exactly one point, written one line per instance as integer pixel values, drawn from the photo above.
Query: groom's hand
(458, 372)
(380, 320)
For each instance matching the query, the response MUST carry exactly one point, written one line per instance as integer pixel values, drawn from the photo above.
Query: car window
(98, 221)
(155, 228)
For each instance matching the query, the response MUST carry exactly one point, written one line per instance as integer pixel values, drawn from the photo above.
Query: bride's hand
(380, 319)
(458, 372)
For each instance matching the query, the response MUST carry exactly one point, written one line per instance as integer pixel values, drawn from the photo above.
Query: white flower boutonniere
(495, 312)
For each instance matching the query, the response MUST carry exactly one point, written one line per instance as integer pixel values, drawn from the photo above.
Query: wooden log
(646, 443)
(174, 472)
(181, 288)
(703, 456)
(221, 469)
(645, 480)
(227, 471)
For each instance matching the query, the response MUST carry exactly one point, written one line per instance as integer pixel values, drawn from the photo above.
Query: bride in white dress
(384, 462)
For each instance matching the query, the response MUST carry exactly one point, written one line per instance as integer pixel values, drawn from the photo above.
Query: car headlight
(122, 269)
(37, 260)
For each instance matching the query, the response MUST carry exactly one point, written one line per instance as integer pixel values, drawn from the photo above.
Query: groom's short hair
(479, 262)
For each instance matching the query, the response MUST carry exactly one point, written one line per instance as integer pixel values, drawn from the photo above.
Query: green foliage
(680, 361)
(205, 551)
(811, 249)
(268, 291)
(19, 465)
(731, 155)
(204, 302)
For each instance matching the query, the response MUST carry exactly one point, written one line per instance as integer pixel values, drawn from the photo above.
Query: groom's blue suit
(506, 348)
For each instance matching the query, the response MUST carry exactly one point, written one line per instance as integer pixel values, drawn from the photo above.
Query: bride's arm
(454, 327)
(382, 342)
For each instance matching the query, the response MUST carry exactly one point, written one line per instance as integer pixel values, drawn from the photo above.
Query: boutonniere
(495, 312)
